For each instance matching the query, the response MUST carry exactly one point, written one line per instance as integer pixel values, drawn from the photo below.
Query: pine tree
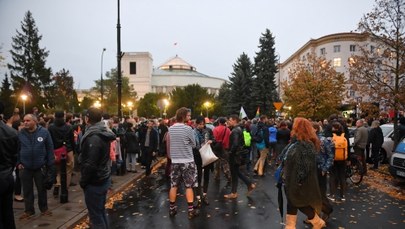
(6, 96)
(29, 74)
(241, 83)
(265, 70)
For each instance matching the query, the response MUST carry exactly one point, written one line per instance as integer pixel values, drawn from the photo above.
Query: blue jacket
(326, 156)
(36, 148)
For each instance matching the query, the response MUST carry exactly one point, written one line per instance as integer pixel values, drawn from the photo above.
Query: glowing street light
(130, 104)
(166, 104)
(207, 106)
(24, 98)
(97, 104)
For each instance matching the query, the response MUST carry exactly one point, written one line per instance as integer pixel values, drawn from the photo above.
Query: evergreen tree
(63, 86)
(265, 70)
(241, 86)
(29, 75)
(6, 96)
(224, 96)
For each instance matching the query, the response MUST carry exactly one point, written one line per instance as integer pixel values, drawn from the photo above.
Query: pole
(101, 80)
(24, 107)
(119, 80)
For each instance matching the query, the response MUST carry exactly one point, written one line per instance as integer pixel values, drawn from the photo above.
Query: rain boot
(290, 221)
(317, 222)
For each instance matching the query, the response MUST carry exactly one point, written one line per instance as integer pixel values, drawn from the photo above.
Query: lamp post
(279, 75)
(101, 78)
(207, 105)
(119, 56)
(24, 98)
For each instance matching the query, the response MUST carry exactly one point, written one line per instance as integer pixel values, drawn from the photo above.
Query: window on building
(323, 51)
(352, 48)
(336, 48)
(132, 68)
(337, 62)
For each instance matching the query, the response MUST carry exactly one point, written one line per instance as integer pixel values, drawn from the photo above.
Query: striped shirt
(182, 142)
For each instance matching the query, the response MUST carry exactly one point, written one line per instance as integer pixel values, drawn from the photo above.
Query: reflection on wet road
(146, 205)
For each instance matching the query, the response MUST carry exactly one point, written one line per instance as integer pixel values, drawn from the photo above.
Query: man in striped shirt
(183, 168)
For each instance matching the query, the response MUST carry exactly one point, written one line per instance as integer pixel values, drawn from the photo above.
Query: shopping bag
(207, 155)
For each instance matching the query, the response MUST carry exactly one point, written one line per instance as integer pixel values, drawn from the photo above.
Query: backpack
(340, 147)
(247, 138)
(272, 134)
(258, 136)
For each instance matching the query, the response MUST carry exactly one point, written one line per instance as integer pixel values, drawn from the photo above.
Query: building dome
(176, 63)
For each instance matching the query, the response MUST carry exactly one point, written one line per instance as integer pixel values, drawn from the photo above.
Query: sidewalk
(69, 214)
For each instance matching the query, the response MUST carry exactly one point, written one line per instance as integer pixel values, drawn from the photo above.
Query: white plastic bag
(207, 155)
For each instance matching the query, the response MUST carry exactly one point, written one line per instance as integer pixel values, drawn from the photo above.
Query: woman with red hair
(300, 174)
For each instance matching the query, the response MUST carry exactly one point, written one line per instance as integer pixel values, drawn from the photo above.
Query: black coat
(9, 147)
(375, 138)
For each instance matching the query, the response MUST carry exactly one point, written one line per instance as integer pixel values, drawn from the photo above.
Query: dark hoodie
(62, 134)
(95, 155)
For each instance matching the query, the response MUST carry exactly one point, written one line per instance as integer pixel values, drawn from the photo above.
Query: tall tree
(29, 74)
(241, 86)
(63, 87)
(378, 73)
(148, 105)
(191, 96)
(111, 93)
(315, 89)
(6, 96)
(265, 70)
(223, 97)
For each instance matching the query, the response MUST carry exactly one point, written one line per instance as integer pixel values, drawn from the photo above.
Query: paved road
(146, 206)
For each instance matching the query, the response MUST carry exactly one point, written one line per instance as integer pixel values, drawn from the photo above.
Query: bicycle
(354, 169)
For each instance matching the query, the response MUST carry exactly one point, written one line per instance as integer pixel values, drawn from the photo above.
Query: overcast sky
(210, 34)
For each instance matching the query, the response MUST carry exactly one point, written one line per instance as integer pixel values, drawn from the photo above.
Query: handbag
(60, 153)
(207, 156)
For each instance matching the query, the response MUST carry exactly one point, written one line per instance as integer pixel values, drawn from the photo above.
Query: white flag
(242, 113)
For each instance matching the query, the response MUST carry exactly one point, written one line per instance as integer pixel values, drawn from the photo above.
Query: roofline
(327, 39)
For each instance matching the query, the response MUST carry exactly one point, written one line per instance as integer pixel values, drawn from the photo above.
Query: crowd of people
(99, 146)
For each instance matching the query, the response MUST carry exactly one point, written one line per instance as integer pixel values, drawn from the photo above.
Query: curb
(82, 216)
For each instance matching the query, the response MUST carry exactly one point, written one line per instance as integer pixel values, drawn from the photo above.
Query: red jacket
(221, 134)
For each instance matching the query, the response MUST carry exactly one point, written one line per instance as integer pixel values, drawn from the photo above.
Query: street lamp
(166, 104)
(97, 104)
(101, 78)
(207, 105)
(130, 104)
(24, 98)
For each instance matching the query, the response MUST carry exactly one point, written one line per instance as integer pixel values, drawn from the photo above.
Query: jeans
(338, 178)
(28, 176)
(95, 197)
(235, 174)
(326, 206)
(6, 202)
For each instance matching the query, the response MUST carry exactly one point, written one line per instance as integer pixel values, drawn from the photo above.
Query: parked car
(397, 162)
(388, 145)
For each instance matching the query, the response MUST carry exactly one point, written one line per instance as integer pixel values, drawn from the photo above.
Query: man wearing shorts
(183, 168)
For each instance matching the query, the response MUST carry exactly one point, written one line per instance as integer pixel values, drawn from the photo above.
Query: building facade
(337, 48)
(138, 67)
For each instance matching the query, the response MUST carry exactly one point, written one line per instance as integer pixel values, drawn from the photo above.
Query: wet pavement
(146, 205)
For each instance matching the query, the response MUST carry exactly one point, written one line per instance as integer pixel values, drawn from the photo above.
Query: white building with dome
(144, 78)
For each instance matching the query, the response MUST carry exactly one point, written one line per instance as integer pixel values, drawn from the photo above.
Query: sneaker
(193, 213)
(332, 198)
(26, 215)
(198, 204)
(172, 211)
(46, 213)
(343, 198)
(18, 198)
(251, 188)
